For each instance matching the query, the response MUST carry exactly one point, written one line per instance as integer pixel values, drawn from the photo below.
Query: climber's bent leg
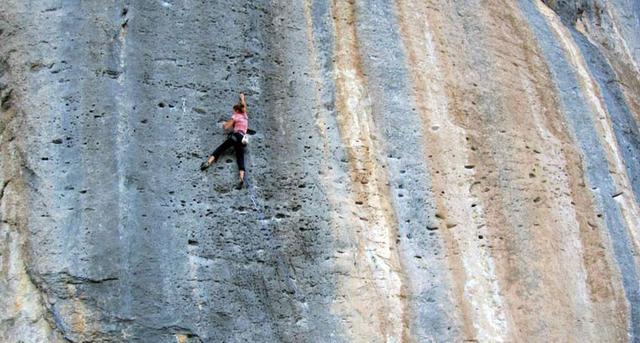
(222, 148)
(216, 153)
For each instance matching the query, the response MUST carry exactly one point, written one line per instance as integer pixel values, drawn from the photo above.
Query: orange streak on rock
(475, 284)
(373, 270)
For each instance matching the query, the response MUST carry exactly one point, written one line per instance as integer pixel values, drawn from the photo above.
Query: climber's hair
(238, 108)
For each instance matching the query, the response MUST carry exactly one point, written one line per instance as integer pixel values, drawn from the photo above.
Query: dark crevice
(4, 186)
(75, 279)
(5, 102)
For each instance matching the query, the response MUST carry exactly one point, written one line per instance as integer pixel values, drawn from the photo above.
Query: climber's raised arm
(244, 104)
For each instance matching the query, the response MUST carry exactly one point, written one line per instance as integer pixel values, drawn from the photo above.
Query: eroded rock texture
(423, 171)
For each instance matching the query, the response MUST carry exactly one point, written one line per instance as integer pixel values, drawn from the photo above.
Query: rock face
(422, 171)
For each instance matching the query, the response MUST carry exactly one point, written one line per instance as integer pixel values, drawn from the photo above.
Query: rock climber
(238, 124)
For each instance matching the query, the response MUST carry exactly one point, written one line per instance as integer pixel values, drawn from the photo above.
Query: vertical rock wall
(422, 171)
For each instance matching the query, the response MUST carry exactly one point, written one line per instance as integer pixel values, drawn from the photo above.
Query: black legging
(236, 144)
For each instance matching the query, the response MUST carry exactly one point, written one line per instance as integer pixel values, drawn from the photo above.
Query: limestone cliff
(423, 171)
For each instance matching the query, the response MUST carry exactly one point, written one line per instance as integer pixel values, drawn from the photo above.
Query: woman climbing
(239, 122)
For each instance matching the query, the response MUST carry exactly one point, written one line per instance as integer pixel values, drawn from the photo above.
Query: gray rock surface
(422, 171)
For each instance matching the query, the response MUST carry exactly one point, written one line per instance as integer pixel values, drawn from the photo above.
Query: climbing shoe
(204, 166)
(240, 185)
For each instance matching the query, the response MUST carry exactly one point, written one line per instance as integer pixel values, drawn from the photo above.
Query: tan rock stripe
(605, 286)
(556, 277)
(583, 265)
(573, 243)
(555, 282)
(473, 266)
(603, 125)
(497, 160)
(350, 301)
(375, 258)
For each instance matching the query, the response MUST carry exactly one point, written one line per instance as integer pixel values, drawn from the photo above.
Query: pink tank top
(240, 123)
